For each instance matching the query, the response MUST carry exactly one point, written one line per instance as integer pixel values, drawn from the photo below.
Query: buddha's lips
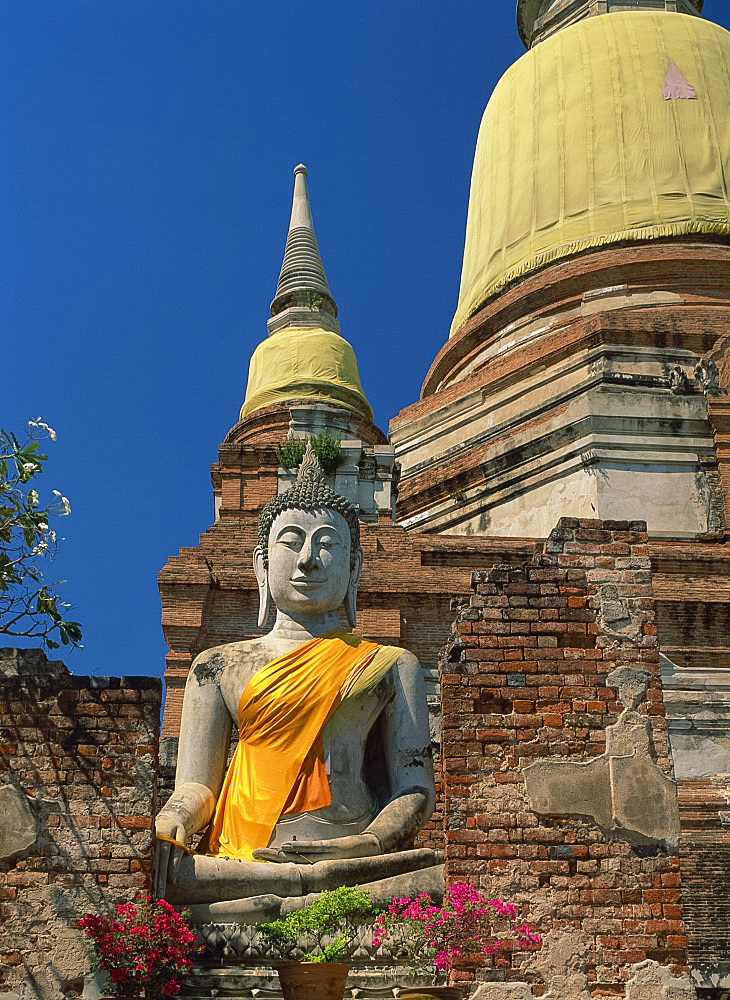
(307, 584)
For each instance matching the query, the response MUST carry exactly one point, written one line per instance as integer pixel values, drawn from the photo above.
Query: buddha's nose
(307, 556)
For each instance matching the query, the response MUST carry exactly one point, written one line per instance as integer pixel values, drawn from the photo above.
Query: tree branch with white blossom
(30, 607)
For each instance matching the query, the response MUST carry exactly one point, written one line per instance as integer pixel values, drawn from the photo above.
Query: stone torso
(345, 737)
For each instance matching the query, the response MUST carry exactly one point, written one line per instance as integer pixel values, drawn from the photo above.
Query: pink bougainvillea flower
(465, 926)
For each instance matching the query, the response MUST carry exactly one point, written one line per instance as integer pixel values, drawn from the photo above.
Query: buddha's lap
(204, 879)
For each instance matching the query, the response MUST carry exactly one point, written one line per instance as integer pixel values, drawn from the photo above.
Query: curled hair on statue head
(309, 493)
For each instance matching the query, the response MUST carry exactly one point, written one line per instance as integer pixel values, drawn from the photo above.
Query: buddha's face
(309, 561)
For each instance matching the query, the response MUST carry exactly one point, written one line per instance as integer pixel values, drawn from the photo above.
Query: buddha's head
(309, 558)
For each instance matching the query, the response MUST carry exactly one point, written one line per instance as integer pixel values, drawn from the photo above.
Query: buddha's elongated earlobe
(351, 595)
(262, 578)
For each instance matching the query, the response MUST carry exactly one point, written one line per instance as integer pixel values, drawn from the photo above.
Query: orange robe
(278, 766)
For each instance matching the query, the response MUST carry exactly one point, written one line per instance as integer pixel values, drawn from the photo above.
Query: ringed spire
(539, 19)
(302, 278)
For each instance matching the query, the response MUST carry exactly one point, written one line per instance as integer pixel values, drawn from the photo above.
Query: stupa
(579, 371)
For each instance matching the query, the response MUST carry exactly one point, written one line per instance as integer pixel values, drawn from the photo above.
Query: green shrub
(291, 452)
(327, 448)
(335, 910)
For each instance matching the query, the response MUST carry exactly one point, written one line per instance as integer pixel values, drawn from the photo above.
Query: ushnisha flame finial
(310, 470)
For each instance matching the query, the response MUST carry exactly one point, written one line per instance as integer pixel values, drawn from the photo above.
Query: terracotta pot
(313, 980)
(431, 993)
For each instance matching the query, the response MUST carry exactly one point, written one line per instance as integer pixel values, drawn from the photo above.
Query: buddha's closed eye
(292, 540)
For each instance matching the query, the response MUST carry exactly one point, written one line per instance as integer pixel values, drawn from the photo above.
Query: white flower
(42, 526)
(64, 503)
(41, 425)
(33, 498)
(28, 467)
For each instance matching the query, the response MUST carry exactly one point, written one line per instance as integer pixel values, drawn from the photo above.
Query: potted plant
(319, 975)
(143, 948)
(467, 926)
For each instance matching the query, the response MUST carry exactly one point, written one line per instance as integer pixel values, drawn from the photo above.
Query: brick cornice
(681, 327)
(270, 426)
(698, 269)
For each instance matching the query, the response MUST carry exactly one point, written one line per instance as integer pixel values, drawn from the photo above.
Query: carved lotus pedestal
(313, 980)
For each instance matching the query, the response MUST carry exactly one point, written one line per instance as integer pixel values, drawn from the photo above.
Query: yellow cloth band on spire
(305, 363)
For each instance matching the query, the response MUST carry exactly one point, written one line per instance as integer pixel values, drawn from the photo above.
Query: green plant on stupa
(327, 448)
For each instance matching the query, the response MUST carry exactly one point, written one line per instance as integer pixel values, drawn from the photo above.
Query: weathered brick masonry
(556, 368)
(705, 850)
(79, 755)
(528, 681)
(695, 268)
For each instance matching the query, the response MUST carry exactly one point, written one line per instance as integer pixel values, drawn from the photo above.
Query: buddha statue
(296, 811)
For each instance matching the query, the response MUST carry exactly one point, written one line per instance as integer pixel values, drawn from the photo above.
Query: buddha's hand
(170, 847)
(364, 845)
(187, 811)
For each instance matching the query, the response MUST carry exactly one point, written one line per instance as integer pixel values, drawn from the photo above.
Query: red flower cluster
(465, 926)
(144, 949)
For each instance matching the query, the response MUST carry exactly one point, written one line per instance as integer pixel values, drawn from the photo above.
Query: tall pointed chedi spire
(304, 357)
(302, 280)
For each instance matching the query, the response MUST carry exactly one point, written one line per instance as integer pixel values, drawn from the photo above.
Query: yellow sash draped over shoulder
(278, 766)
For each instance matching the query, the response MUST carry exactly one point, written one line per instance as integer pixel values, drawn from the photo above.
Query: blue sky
(145, 183)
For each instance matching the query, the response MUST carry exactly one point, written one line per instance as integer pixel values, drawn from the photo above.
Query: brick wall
(532, 656)
(78, 757)
(705, 810)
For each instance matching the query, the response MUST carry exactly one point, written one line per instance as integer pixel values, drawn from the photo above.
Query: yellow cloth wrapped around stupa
(580, 147)
(305, 363)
